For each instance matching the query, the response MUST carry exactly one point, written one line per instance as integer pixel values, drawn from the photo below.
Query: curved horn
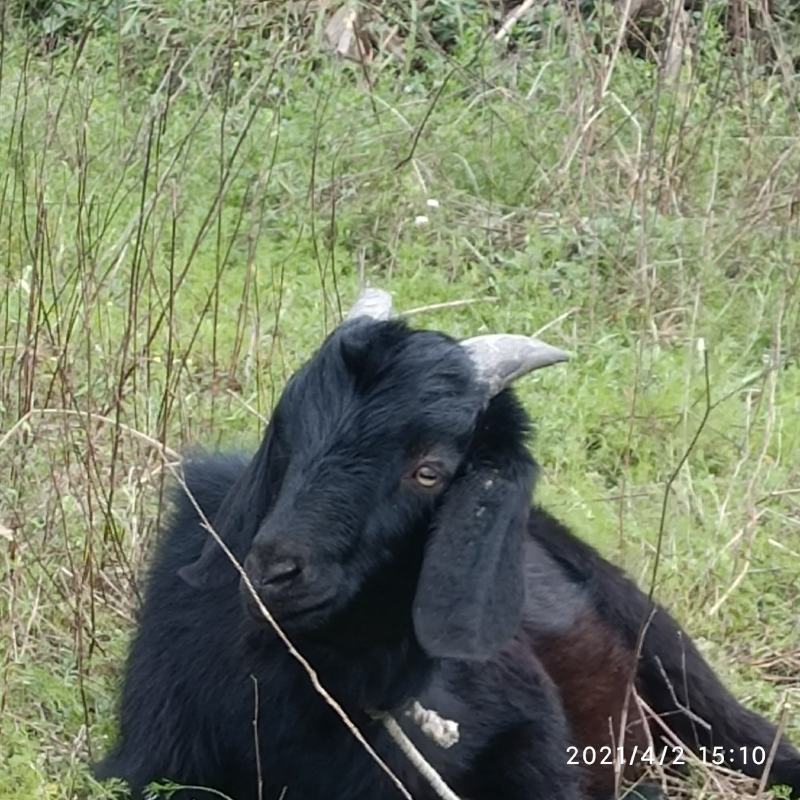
(501, 358)
(374, 303)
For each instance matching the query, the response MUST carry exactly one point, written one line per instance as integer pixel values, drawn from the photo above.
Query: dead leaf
(346, 36)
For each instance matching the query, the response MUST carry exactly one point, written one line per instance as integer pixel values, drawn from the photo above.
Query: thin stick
(450, 304)
(259, 774)
(762, 784)
(673, 477)
(511, 20)
(416, 758)
(69, 412)
(560, 318)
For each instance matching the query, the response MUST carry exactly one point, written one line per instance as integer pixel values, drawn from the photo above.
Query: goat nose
(279, 573)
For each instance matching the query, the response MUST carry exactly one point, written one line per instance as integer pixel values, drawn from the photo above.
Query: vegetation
(192, 192)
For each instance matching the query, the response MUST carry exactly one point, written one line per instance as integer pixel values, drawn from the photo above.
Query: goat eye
(427, 476)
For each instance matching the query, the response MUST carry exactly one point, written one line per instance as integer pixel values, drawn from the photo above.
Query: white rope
(443, 731)
(414, 756)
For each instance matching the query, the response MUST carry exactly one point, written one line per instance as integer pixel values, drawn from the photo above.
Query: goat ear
(471, 587)
(236, 521)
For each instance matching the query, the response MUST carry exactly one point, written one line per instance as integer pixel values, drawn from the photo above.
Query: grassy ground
(189, 196)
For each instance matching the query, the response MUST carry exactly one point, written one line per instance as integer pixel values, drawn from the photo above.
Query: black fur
(671, 674)
(392, 590)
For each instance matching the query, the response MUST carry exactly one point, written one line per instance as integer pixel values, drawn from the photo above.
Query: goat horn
(501, 358)
(374, 303)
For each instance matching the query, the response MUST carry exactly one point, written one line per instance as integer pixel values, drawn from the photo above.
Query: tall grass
(190, 195)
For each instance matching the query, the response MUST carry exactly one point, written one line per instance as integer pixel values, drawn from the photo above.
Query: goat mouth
(285, 614)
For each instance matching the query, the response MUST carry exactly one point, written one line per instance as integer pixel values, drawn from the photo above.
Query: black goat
(385, 523)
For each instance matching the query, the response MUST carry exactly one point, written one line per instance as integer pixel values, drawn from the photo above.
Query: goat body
(385, 522)
(201, 671)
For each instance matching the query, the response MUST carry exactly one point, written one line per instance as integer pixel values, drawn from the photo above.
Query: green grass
(189, 198)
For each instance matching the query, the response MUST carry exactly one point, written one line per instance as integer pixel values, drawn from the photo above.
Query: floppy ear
(471, 588)
(237, 521)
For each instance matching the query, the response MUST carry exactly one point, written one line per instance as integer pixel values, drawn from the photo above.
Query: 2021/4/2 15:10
(718, 756)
